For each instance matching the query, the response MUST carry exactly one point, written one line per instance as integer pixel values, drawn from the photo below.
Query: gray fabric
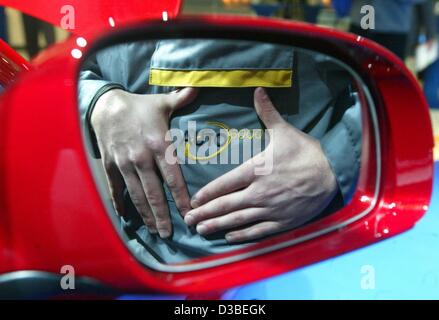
(219, 55)
(185, 244)
(310, 105)
(343, 140)
(391, 16)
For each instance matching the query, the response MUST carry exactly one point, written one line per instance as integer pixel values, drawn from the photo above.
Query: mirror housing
(11, 64)
(392, 194)
(93, 17)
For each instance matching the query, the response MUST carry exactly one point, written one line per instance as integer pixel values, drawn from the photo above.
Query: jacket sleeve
(91, 87)
(341, 140)
(342, 146)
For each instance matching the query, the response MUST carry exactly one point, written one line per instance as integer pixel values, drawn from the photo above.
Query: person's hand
(130, 131)
(299, 187)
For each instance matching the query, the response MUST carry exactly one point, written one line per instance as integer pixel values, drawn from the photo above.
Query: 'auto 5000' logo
(209, 143)
(214, 142)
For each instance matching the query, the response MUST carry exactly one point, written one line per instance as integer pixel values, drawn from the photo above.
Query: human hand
(130, 131)
(299, 187)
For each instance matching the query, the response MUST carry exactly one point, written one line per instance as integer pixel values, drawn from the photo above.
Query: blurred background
(409, 28)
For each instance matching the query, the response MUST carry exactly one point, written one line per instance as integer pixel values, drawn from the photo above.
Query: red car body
(51, 213)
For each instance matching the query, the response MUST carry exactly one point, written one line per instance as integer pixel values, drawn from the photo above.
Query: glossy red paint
(95, 15)
(11, 64)
(52, 214)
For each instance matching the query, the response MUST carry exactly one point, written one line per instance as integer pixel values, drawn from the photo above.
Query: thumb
(181, 97)
(266, 110)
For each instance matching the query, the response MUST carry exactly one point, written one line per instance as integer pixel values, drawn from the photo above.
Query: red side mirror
(54, 215)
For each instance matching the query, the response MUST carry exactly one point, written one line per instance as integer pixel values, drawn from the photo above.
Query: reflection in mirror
(205, 146)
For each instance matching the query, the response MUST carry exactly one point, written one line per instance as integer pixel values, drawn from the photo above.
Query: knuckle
(138, 204)
(258, 196)
(212, 224)
(135, 198)
(124, 165)
(250, 173)
(215, 206)
(149, 223)
(239, 219)
(140, 159)
(199, 216)
(172, 181)
(162, 224)
(237, 236)
(266, 113)
(222, 206)
(155, 143)
(154, 198)
(147, 219)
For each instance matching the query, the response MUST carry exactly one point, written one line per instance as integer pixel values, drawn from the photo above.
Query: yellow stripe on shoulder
(222, 78)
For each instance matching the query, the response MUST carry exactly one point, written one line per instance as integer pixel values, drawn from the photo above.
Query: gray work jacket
(311, 92)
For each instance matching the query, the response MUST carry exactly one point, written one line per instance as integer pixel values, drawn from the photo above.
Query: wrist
(102, 104)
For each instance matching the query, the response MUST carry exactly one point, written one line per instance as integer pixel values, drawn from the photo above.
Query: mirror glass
(205, 146)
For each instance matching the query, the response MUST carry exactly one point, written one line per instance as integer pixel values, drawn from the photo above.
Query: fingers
(217, 207)
(180, 98)
(153, 190)
(116, 185)
(233, 180)
(254, 232)
(171, 174)
(266, 110)
(135, 189)
(231, 220)
(145, 152)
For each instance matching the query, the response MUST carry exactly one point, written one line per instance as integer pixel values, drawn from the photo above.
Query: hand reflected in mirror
(130, 131)
(299, 187)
